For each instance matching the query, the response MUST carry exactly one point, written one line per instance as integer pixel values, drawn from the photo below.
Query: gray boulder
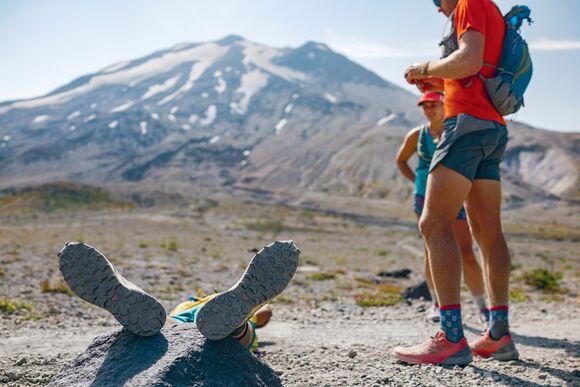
(178, 356)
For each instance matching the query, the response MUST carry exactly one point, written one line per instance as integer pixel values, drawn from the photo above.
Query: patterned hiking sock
(451, 322)
(245, 334)
(498, 322)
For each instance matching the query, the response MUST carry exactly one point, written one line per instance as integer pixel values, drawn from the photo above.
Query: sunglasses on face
(437, 3)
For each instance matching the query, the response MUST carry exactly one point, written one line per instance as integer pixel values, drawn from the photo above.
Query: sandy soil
(319, 335)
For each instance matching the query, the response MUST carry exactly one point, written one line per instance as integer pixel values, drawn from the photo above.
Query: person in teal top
(423, 141)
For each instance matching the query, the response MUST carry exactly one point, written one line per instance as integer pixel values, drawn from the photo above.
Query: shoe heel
(507, 352)
(462, 357)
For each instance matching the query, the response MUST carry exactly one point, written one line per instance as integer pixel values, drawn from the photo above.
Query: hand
(416, 72)
(430, 84)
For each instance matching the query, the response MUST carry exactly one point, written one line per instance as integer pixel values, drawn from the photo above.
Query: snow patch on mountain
(160, 87)
(288, 108)
(73, 115)
(113, 124)
(386, 119)
(214, 139)
(330, 98)
(261, 56)
(221, 86)
(155, 116)
(40, 119)
(89, 118)
(280, 125)
(168, 98)
(174, 110)
(210, 116)
(203, 55)
(114, 67)
(251, 83)
(193, 119)
(143, 127)
(209, 53)
(122, 107)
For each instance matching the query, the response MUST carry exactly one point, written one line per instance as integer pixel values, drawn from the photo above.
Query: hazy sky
(45, 43)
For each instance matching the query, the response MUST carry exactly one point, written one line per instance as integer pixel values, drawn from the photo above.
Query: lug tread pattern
(267, 275)
(94, 279)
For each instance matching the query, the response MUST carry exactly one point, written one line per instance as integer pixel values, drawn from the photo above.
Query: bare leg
(427, 273)
(471, 268)
(446, 191)
(483, 207)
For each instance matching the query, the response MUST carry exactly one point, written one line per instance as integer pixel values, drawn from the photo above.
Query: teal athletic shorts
(419, 204)
(472, 147)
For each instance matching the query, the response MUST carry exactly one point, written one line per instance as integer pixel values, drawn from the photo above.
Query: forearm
(455, 66)
(406, 171)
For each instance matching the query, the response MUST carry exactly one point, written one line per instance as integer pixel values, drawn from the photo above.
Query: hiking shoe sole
(94, 279)
(267, 275)
(507, 352)
(461, 358)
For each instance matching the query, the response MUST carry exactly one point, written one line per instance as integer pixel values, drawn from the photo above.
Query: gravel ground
(319, 335)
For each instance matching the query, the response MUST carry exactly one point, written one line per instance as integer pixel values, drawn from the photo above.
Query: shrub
(322, 276)
(57, 286)
(544, 279)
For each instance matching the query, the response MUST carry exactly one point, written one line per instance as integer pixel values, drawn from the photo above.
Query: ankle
(451, 322)
(246, 336)
(498, 322)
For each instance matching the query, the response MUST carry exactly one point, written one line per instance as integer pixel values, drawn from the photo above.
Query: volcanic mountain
(235, 112)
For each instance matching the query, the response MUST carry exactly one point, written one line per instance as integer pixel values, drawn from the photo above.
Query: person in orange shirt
(465, 168)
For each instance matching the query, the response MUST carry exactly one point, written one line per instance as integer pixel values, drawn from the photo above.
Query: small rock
(421, 308)
(542, 377)
(403, 273)
(352, 353)
(20, 362)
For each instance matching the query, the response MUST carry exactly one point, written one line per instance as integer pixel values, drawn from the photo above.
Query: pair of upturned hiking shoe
(94, 279)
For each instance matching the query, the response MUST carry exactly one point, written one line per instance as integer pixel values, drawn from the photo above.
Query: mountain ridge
(235, 112)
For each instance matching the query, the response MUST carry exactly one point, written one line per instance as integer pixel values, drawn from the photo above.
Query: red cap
(433, 96)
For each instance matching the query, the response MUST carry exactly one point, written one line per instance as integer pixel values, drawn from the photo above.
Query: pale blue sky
(45, 44)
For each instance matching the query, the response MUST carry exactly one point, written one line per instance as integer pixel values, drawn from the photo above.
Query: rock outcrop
(178, 356)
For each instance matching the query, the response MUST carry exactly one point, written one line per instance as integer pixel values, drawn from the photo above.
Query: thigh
(483, 205)
(446, 192)
(489, 168)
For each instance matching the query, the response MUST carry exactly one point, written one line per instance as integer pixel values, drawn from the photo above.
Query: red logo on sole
(115, 297)
(245, 297)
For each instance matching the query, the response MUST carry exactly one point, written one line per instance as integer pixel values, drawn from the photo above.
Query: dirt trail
(327, 351)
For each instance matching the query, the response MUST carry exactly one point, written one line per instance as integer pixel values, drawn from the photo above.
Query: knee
(432, 226)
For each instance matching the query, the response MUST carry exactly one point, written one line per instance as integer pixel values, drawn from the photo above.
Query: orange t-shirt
(460, 96)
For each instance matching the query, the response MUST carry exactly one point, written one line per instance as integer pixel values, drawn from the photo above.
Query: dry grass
(382, 295)
(55, 286)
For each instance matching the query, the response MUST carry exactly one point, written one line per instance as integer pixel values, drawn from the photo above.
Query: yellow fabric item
(187, 305)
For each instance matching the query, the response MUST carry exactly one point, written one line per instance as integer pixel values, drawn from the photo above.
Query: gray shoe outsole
(267, 275)
(507, 352)
(94, 279)
(463, 357)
